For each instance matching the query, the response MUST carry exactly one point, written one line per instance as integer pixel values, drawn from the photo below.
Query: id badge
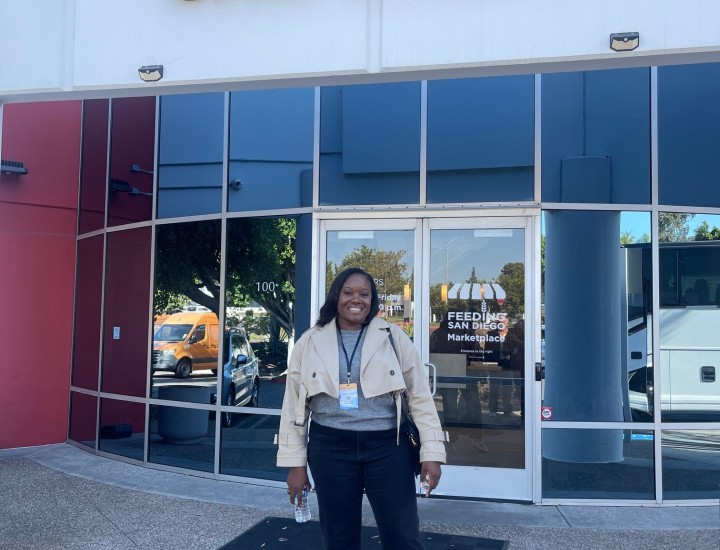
(348, 396)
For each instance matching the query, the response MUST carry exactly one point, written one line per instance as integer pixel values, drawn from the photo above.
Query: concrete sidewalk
(60, 497)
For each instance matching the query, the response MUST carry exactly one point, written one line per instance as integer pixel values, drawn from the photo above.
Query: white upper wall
(55, 49)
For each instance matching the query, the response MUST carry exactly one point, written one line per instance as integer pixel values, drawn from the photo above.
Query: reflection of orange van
(186, 341)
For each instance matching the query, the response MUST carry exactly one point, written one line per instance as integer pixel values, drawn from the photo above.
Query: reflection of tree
(674, 226)
(260, 265)
(437, 305)
(187, 263)
(385, 266)
(512, 280)
(704, 232)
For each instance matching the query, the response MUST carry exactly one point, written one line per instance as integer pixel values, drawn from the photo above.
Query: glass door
(461, 289)
(477, 298)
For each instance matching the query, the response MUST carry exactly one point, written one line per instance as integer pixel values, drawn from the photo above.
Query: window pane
(132, 159)
(83, 418)
(127, 309)
(688, 134)
(187, 287)
(626, 473)
(93, 175)
(596, 136)
(182, 437)
(122, 428)
(266, 309)
(689, 300)
(191, 154)
(690, 468)
(389, 257)
(88, 297)
(271, 149)
(248, 448)
(481, 140)
(370, 144)
(598, 316)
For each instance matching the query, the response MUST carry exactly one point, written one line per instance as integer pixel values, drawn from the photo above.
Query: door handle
(707, 374)
(539, 371)
(433, 378)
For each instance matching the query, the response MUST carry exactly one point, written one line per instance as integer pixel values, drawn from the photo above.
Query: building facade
(547, 238)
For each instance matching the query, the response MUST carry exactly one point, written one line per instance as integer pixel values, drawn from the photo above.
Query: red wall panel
(38, 213)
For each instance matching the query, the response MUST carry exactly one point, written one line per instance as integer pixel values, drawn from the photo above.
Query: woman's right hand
(297, 480)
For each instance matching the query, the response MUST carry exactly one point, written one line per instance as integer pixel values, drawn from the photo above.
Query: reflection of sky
(635, 223)
(454, 253)
(638, 223)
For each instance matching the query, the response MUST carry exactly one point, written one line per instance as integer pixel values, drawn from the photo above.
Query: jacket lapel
(325, 341)
(377, 333)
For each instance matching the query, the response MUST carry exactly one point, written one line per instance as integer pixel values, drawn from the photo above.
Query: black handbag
(411, 429)
(413, 436)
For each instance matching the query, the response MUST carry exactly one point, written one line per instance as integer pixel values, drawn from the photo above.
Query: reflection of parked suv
(241, 375)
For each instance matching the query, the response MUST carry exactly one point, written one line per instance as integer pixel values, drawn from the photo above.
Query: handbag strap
(404, 408)
(392, 343)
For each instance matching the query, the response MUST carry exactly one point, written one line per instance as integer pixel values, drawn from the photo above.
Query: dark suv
(241, 375)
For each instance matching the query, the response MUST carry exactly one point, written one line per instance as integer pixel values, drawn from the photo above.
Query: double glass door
(461, 290)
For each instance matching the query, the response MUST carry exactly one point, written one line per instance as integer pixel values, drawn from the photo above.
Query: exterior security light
(137, 169)
(150, 73)
(124, 187)
(12, 167)
(624, 41)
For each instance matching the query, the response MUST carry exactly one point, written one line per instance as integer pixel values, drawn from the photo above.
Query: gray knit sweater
(376, 413)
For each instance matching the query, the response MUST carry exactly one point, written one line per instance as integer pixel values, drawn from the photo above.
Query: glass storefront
(563, 315)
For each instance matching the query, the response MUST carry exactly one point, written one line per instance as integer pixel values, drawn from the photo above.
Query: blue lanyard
(349, 360)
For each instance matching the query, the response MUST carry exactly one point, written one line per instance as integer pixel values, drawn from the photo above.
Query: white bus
(689, 323)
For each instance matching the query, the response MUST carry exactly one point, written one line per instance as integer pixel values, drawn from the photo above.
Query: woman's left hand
(431, 472)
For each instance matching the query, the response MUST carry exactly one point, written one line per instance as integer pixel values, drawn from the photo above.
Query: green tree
(512, 281)
(437, 305)
(386, 266)
(260, 266)
(674, 226)
(704, 232)
(626, 237)
(187, 265)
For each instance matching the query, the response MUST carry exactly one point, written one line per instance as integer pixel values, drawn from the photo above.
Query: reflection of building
(207, 151)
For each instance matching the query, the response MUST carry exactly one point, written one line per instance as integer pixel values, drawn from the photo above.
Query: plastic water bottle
(302, 510)
(424, 486)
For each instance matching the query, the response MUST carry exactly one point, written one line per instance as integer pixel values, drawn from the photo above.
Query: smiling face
(354, 302)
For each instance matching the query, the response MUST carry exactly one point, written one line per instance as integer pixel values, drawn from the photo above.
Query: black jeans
(343, 463)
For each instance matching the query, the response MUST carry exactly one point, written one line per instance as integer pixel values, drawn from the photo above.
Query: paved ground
(60, 497)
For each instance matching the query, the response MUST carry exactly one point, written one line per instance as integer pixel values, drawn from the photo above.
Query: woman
(348, 376)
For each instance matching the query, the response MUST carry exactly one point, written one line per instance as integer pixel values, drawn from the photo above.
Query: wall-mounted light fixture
(13, 167)
(624, 41)
(124, 187)
(136, 169)
(150, 73)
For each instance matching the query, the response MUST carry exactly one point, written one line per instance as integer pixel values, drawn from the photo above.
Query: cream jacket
(314, 368)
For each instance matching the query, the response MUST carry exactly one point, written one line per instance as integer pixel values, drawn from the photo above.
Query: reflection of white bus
(689, 321)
